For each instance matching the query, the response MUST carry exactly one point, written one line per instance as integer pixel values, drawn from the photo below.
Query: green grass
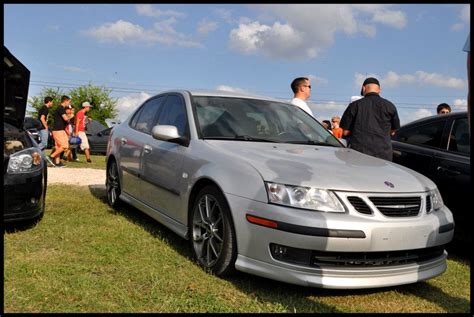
(85, 257)
(98, 161)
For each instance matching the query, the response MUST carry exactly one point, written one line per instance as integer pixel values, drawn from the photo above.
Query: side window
(147, 115)
(459, 137)
(133, 122)
(174, 113)
(428, 134)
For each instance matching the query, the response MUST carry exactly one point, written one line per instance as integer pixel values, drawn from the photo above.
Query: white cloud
(75, 69)
(126, 104)
(460, 104)
(464, 17)
(420, 113)
(231, 89)
(121, 31)
(205, 27)
(148, 10)
(465, 14)
(301, 31)
(317, 81)
(225, 15)
(392, 79)
(125, 32)
(396, 19)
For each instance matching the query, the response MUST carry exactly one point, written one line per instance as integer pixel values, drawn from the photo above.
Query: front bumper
(339, 233)
(24, 195)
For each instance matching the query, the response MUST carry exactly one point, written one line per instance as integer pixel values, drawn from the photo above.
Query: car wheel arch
(200, 184)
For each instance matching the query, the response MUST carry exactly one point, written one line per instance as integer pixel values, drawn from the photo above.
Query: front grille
(320, 258)
(397, 206)
(428, 203)
(359, 205)
(313, 258)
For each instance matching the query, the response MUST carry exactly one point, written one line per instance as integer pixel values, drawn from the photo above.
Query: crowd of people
(68, 131)
(368, 122)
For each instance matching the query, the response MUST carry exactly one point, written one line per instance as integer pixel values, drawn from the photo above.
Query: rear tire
(212, 238)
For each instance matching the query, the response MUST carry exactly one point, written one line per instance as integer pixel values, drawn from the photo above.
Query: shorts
(61, 139)
(85, 143)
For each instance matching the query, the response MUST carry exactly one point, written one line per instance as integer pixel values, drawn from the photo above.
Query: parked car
(260, 186)
(98, 141)
(33, 125)
(25, 171)
(439, 148)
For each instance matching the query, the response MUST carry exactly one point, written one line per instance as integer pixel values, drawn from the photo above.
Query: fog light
(290, 255)
(33, 201)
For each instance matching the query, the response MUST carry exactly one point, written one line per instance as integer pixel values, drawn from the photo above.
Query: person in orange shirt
(336, 130)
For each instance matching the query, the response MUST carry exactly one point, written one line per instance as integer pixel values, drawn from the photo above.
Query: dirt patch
(76, 176)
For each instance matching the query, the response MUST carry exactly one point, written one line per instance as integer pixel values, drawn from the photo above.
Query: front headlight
(25, 161)
(436, 200)
(303, 197)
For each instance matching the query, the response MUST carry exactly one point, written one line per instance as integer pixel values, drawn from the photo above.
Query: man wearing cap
(80, 129)
(370, 122)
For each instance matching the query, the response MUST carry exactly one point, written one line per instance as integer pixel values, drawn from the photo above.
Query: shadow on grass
(21, 225)
(293, 297)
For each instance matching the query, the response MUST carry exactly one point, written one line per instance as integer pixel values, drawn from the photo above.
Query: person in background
(43, 118)
(370, 122)
(61, 139)
(302, 91)
(70, 155)
(336, 130)
(443, 108)
(326, 124)
(80, 129)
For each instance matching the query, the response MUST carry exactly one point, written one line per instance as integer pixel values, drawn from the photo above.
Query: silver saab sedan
(258, 185)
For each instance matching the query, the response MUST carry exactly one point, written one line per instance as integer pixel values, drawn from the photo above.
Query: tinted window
(428, 134)
(459, 137)
(174, 113)
(147, 114)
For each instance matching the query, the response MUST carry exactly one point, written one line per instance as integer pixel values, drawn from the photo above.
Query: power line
(124, 90)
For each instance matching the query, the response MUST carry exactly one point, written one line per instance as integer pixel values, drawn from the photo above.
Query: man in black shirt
(59, 133)
(43, 117)
(369, 122)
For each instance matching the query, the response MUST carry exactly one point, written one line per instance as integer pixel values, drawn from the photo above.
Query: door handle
(147, 148)
(397, 153)
(448, 171)
(123, 141)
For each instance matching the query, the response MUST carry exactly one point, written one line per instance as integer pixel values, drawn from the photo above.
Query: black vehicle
(439, 148)
(25, 171)
(98, 141)
(33, 126)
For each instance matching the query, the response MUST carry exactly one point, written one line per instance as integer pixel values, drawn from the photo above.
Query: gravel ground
(76, 176)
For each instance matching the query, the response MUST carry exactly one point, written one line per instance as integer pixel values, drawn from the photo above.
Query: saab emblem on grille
(389, 184)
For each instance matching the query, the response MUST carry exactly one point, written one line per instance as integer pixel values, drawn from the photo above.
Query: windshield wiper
(240, 138)
(311, 142)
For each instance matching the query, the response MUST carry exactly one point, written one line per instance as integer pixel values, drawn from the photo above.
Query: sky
(139, 50)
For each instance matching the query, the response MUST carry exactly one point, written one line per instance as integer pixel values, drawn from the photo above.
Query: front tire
(213, 237)
(112, 185)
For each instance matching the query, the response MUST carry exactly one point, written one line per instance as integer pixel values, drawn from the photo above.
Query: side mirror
(168, 133)
(99, 134)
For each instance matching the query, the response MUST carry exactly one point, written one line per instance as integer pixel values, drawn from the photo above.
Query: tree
(103, 106)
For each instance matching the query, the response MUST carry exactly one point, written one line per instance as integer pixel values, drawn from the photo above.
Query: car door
(414, 146)
(162, 162)
(132, 145)
(452, 168)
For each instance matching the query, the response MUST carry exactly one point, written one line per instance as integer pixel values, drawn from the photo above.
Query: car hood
(16, 83)
(324, 167)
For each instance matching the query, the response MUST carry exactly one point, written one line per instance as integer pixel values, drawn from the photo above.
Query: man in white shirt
(302, 89)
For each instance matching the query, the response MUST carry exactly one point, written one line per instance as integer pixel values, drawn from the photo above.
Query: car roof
(436, 117)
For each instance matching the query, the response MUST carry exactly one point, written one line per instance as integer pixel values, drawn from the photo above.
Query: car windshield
(242, 119)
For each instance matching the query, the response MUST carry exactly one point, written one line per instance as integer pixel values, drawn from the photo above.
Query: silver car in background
(258, 185)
